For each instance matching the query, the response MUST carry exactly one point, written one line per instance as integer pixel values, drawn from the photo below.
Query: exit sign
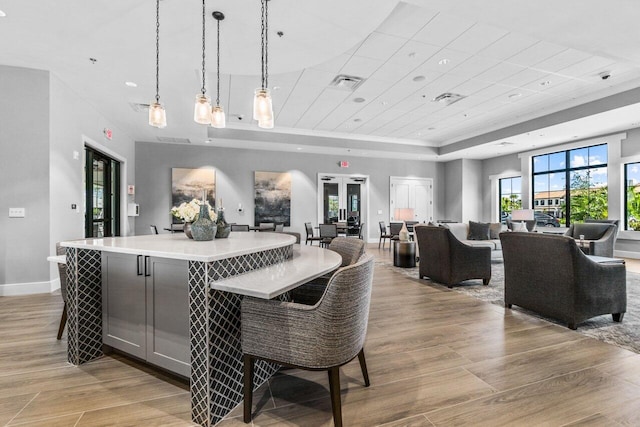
(344, 164)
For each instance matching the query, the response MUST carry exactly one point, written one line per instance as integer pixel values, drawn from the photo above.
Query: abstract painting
(273, 197)
(188, 184)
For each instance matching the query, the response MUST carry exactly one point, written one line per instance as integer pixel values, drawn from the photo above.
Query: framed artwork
(273, 197)
(188, 184)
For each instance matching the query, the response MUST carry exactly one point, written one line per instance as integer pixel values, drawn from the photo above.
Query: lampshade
(157, 115)
(404, 214)
(202, 110)
(217, 117)
(262, 106)
(522, 215)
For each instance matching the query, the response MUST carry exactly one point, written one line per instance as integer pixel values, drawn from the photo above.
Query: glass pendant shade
(157, 115)
(202, 110)
(262, 105)
(266, 123)
(217, 117)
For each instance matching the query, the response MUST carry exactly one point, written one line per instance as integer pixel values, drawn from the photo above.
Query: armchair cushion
(478, 231)
(591, 231)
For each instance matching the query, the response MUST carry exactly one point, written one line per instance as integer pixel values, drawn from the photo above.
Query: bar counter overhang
(220, 272)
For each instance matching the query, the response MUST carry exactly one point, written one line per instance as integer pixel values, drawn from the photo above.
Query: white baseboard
(626, 254)
(14, 289)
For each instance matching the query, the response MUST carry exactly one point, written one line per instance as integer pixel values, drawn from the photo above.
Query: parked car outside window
(542, 219)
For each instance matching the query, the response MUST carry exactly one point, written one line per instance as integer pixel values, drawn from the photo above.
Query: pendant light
(202, 109)
(157, 115)
(217, 113)
(262, 104)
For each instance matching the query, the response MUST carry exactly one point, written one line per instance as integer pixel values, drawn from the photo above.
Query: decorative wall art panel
(273, 197)
(188, 184)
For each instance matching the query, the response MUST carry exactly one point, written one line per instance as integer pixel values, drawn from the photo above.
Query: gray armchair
(550, 275)
(445, 259)
(599, 236)
(324, 336)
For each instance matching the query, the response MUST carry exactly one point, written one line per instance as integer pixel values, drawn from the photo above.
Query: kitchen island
(175, 303)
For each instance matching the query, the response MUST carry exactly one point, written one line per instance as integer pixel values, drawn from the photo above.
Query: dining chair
(154, 229)
(239, 227)
(383, 234)
(394, 231)
(267, 226)
(310, 237)
(62, 272)
(322, 337)
(279, 226)
(327, 233)
(361, 231)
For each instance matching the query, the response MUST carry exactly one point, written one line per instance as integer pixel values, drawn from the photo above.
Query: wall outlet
(379, 211)
(16, 212)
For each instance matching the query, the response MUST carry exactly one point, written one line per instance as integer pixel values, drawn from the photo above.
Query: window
(632, 196)
(510, 196)
(577, 181)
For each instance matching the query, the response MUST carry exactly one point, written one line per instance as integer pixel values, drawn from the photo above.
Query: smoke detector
(344, 82)
(448, 98)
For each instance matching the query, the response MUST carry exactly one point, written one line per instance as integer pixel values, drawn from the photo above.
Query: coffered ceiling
(513, 62)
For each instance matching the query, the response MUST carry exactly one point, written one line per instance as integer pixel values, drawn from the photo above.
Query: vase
(187, 230)
(403, 236)
(203, 228)
(223, 227)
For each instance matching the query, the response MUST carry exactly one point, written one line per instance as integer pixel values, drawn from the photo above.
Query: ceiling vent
(344, 82)
(448, 98)
(172, 140)
(138, 107)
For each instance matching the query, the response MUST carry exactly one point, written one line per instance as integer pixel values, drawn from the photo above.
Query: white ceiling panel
(361, 67)
(508, 46)
(406, 20)
(443, 29)
(477, 38)
(333, 65)
(535, 54)
(590, 67)
(475, 66)
(329, 100)
(562, 60)
(443, 61)
(380, 46)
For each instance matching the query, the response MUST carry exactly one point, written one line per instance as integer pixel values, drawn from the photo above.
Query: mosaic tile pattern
(84, 305)
(217, 374)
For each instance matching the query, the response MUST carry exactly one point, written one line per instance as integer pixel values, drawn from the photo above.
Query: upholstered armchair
(445, 259)
(324, 336)
(550, 275)
(599, 236)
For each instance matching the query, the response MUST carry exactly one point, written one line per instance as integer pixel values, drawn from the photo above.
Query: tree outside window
(632, 196)
(510, 196)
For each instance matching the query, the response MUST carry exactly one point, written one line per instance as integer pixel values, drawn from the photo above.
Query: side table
(404, 254)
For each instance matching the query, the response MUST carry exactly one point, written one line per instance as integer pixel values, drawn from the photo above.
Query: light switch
(16, 212)
(379, 211)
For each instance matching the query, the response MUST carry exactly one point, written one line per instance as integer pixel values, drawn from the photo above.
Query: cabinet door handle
(139, 265)
(147, 267)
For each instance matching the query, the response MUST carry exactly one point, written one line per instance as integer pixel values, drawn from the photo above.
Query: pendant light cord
(204, 90)
(266, 44)
(262, 43)
(218, 54)
(158, 51)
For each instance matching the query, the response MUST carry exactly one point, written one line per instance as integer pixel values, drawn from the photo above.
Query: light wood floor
(435, 357)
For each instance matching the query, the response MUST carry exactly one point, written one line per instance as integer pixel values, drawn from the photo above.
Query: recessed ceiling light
(419, 78)
(357, 120)
(466, 115)
(131, 84)
(384, 102)
(545, 83)
(431, 128)
(358, 100)
(299, 148)
(411, 54)
(515, 95)
(276, 88)
(443, 61)
(542, 134)
(419, 133)
(2, 14)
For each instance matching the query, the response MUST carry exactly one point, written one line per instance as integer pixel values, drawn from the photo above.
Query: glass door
(342, 201)
(102, 194)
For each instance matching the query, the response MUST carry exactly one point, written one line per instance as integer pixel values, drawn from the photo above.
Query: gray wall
(453, 192)
(463, 199)
(24, 173)
(42, 123)
(234, 181)
(631, 145)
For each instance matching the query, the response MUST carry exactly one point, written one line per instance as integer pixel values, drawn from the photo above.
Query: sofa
(445, 259)
(477, 234)
(550, 275)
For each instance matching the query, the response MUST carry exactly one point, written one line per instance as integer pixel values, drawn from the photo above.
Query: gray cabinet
(146, 309)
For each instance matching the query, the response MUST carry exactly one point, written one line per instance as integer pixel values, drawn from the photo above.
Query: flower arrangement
(188, 212)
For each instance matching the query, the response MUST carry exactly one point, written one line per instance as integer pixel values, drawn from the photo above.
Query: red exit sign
(344, 164)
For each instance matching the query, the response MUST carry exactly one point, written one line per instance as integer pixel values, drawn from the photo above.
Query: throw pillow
(494, 230)
(478, 231)
(520, 226)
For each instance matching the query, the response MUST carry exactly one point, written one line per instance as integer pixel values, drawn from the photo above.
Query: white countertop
(178, 246)
(308, 262)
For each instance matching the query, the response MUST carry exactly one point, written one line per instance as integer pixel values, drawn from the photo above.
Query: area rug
(625, 334)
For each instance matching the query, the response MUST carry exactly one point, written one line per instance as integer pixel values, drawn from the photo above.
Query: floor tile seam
(620, 378)
(66, 366)
(112, 406)
(50, 418)
(589, 416)
(23, 408)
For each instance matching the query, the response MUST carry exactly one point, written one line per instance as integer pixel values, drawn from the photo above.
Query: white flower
(188, 212)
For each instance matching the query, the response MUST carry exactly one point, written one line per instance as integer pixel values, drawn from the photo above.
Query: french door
(102, 195)
(342, 198)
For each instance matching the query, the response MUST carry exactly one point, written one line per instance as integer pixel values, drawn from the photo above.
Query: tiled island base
(216, 354)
